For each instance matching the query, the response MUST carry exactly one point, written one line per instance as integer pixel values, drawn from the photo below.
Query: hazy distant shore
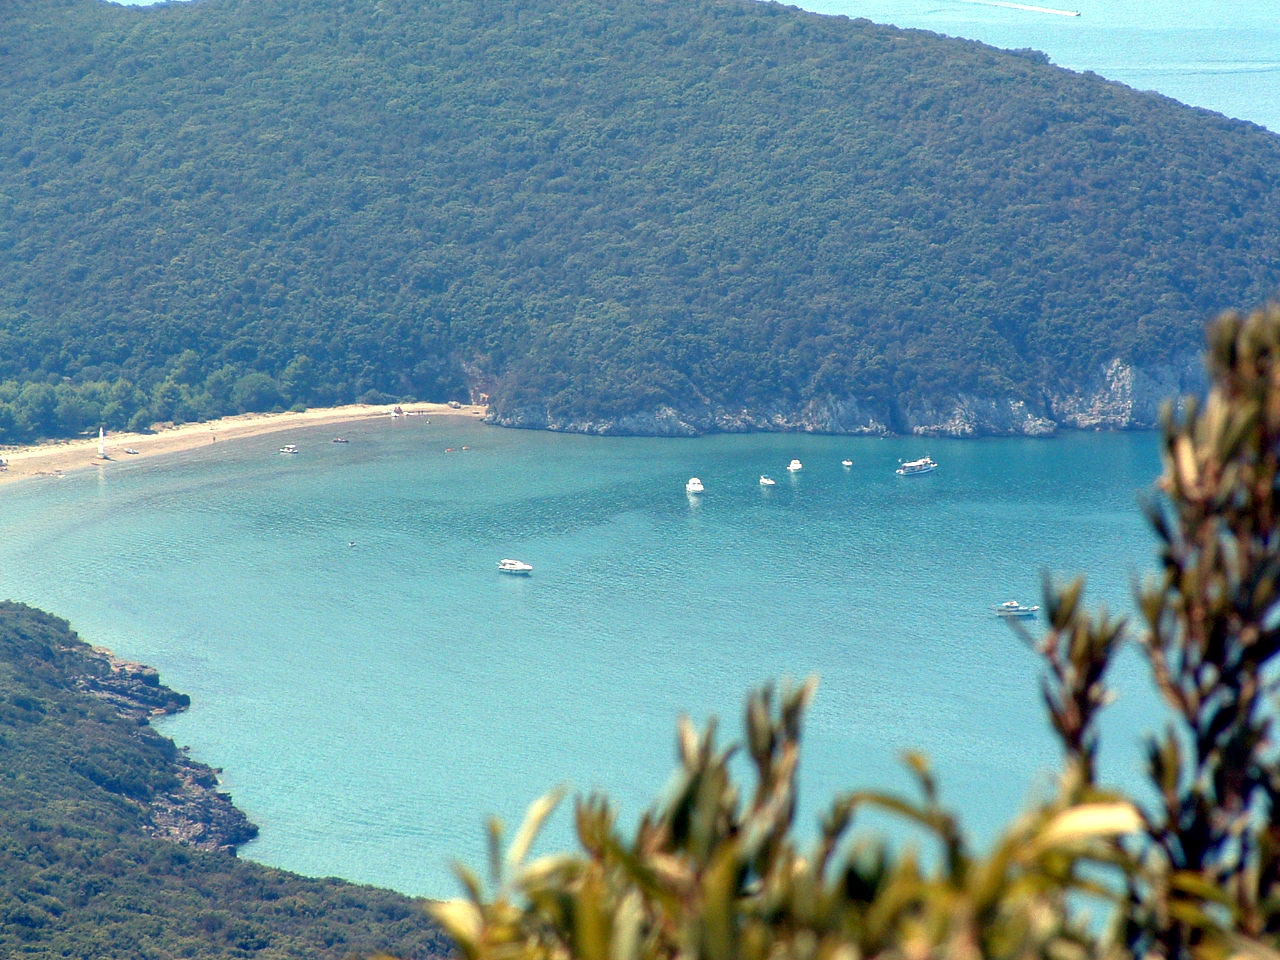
(63, 456)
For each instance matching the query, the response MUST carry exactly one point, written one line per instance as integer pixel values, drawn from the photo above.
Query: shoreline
(59, 457)
(194, 811)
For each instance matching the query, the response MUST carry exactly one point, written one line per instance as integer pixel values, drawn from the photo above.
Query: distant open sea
(372, 704)
(375, 689)
(1223, 55)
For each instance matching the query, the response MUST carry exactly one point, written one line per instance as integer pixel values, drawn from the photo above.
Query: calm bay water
(373, 703)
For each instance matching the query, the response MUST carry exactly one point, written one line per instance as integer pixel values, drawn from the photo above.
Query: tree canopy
(588, 212)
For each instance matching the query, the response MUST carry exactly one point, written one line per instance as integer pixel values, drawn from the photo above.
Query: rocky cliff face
(132, 689)
(197, 813)
(1124, 397)
(1118, 397)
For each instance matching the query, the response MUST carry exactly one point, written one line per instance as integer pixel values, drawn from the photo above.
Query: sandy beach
(64, 456)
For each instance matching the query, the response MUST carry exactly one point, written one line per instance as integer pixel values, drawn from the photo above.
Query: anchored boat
(911, 467)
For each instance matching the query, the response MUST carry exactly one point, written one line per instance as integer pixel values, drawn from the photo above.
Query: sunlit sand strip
(56, 458)
(1026, 6)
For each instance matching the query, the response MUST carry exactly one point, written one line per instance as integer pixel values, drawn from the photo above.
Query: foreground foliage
(714, 871)
(79, 877)
(588, 210)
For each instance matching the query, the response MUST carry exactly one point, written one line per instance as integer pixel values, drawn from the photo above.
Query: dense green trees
(587, 208)
(1189, 870)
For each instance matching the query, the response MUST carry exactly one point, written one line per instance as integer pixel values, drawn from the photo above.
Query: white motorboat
(507, 565)
(289, 448)
(693, 486)
(911, 467)
(846, 463)
(1012, 608)
(767, 481)
(795, 465)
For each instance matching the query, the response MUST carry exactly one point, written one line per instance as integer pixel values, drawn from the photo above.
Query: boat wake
(1026, 6)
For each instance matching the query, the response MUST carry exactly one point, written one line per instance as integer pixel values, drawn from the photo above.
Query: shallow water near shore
(374, 689)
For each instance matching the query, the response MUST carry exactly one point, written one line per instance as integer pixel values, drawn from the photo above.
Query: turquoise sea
(375, 689)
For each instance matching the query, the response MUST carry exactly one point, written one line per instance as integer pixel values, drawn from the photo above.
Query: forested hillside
(81, 874)
(645, 215)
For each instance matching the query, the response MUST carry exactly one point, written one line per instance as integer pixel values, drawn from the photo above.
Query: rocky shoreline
(194, 812)
(1119, 396)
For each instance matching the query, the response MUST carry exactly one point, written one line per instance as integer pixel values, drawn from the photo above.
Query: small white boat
(507, 565)
(767, 481)
(912, 467)
(1012, 608)
(289, 448)
(846, 463)
(693, 486)
(341, 440)
(795, 465)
